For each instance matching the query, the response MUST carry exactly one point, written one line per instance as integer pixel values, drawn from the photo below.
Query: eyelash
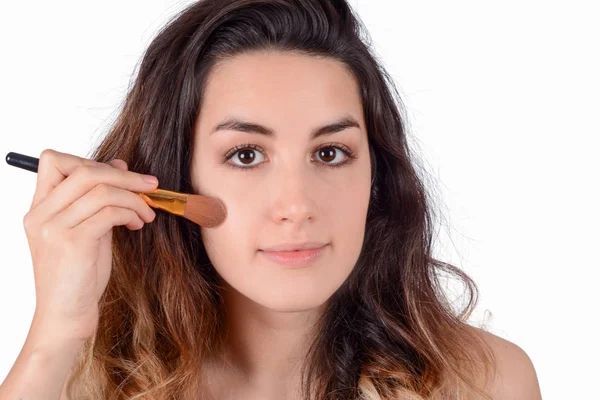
(344, 149)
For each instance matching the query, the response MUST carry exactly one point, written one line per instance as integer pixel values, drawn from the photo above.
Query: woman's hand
(76, 204)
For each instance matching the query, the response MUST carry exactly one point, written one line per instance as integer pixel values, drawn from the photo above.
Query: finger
(118, 163)
(84, 179)
(99, 197)
(100, 223)
(53, 168)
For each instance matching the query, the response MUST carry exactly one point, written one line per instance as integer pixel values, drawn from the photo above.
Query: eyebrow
(236, 124)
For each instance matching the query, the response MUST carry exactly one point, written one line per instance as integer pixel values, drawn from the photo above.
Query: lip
(295, 246)
(294, 259)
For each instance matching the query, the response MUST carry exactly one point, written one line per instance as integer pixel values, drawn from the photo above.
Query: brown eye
(246, 156)
(327, 154)
(331, 151)
(242, 156)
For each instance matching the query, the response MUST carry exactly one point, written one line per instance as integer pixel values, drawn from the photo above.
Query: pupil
(250, 158)
(331, 154)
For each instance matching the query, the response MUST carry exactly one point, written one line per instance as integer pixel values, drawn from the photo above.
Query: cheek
(349, 224)
(235, 233)
(347, 204)
(347, 218)
(232, 245)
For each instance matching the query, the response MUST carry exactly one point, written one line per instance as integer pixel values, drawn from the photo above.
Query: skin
(516, 378)
(287, 197)
(290, 195)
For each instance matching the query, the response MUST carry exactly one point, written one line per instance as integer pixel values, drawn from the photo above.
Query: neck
(263, 349)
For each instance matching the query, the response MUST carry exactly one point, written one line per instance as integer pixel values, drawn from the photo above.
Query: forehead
(285, 88)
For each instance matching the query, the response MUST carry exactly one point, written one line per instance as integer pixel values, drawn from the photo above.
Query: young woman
(279, 108)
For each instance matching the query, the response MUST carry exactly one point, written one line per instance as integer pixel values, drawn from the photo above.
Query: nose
(293, 198)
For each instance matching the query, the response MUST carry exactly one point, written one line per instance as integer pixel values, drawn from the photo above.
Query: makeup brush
(202, 210)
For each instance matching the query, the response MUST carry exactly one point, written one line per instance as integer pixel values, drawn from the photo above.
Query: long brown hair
(389, 332)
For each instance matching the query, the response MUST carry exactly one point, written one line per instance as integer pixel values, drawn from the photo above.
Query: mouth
(295, 258)
(294, 246)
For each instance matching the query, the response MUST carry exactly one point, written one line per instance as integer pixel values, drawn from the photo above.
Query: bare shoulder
(516, 378)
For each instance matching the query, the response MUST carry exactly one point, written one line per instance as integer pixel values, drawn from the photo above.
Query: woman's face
(288, 187)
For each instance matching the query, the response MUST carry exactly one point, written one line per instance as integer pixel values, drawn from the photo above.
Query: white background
(502, 98)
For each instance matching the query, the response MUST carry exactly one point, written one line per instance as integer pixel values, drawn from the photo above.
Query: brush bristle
(204, 210)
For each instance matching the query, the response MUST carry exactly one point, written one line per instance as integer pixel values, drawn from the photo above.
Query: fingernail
(150, 179)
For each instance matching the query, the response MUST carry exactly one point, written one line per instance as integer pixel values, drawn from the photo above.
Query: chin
(291, 302)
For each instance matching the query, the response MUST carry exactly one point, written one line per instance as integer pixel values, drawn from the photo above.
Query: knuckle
(111, 212)
(102, 189)
(28, 221)
(133, 215)
(47, 153)
(71, 239)
(47, 232)
(84, 172)
(120, 172)
(46, 157)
